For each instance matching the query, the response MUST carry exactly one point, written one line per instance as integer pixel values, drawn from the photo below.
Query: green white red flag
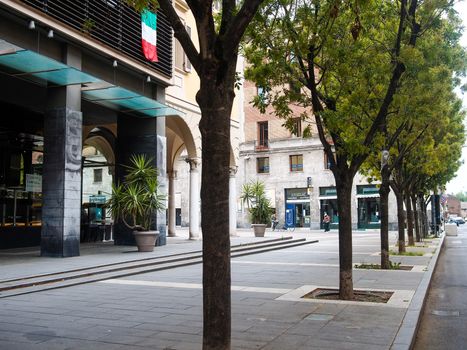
(149, 35)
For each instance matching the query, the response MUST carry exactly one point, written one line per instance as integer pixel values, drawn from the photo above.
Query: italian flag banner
(149, 35)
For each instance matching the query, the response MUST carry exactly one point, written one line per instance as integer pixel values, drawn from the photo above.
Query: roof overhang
(38, 68)
(78, 37)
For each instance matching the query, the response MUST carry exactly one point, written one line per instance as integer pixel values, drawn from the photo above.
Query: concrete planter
(259, 229)
(451, 229)
(145, 240)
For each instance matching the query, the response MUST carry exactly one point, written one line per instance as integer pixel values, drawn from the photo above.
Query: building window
(263, 134)
(181, 60)
(327, 163)
(262, 165)
(97, 175)
(263, 93)
(297, 127)
(296, 163)
(294, 88)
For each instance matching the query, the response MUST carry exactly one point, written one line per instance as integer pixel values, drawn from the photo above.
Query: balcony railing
(113, 23)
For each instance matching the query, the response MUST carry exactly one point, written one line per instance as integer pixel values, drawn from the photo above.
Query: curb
(405, 336)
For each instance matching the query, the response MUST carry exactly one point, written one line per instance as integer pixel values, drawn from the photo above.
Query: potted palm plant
(259, 208)
(137, 200)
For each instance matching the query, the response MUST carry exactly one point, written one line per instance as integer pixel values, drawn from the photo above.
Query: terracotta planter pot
(259, 229)
(145, 240)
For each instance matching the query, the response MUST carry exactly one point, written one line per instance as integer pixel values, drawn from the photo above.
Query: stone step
(69, 278)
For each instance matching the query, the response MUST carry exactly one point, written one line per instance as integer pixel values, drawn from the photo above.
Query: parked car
(456, 220)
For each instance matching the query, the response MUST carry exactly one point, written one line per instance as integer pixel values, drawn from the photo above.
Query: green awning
(31, 65)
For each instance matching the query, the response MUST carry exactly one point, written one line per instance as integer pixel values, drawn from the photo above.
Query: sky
(459, 183)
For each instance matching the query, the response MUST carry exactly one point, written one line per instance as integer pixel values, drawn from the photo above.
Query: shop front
(297, 206)
(42, 132)
(328, 205)
(21, 160)
(368, 207)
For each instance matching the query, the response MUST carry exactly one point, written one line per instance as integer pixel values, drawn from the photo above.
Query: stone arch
(179, 138)
(104, 140)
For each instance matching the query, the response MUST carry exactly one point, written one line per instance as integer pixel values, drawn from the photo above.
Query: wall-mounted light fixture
(50, 34)
(148, 79)
(114, 63)
(32, 25)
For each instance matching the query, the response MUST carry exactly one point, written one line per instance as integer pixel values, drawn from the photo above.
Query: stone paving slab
(163, 309)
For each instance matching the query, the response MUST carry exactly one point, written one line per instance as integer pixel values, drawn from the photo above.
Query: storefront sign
(33, 183)
(367, 189)
(97, 199)
(297, 193)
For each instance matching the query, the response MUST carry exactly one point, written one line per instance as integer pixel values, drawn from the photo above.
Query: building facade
(296, 173)
(453, 206)
(80, 98)
(73, 75)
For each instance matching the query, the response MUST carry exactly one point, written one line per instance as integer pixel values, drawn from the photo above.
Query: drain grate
(445, 313)
(319, 317)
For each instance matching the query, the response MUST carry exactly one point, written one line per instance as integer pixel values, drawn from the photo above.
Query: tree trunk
(416, 218)
(344, 207)
(408, 205)
(424, 220)
(384, 216)
(400, 218)
(215, 101)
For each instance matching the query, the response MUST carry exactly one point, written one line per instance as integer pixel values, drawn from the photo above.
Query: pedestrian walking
(274, 222)
(326, 222)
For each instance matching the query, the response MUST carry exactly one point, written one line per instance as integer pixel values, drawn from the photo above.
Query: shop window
(296, 163)
(262, 165)
(21, 190)
(97, 175)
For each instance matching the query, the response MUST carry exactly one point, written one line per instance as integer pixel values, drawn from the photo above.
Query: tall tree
(218, 39)
(344, 60)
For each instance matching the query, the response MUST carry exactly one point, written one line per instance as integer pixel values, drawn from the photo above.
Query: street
(444, 320)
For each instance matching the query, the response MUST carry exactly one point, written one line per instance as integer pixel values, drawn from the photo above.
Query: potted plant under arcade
(137, 200)
(259, 208)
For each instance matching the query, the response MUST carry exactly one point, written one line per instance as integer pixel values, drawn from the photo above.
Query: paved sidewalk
(163, 309)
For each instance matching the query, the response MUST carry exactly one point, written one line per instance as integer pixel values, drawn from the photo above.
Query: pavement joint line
(281, 263)
(415, 268)
(322, 252)
(399, 299)
(406, 334)
(193, 286)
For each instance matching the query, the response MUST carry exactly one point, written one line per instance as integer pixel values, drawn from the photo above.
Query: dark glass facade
(114, 24)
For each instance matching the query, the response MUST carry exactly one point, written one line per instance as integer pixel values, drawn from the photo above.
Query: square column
(61, 183)
(141, 136)
(232, 201)
(195, 207)
(61, 178)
